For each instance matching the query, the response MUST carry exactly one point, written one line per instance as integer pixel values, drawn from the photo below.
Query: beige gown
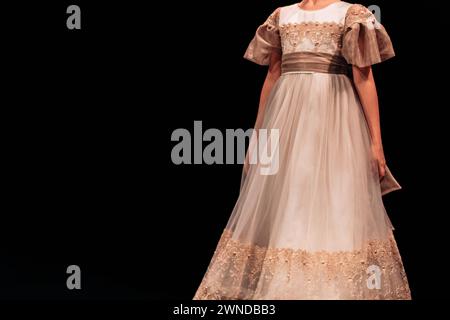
(317, 229)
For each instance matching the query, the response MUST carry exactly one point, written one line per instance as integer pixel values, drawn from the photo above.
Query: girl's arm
(366, 88)
(272, 76)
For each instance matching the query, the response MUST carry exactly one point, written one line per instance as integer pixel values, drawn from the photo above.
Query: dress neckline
(316, 10)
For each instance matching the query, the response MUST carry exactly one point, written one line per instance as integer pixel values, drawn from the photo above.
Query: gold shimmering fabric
(365, 40)
(314, 62)
(243, 271)
(265, 41)
(389, 183)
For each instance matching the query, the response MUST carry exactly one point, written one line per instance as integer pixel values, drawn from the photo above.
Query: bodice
(339, 34)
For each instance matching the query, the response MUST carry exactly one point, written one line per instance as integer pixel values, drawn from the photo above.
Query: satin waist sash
(314, 62)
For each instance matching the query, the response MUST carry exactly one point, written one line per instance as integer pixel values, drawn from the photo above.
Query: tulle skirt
(315, 228)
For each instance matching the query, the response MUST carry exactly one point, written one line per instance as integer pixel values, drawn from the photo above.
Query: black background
(87, 117)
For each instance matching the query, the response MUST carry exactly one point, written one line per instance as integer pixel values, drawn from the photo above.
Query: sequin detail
(240, 271)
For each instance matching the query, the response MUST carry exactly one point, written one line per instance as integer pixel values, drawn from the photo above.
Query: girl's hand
(379, 160)
(246, 165)
(247, 162)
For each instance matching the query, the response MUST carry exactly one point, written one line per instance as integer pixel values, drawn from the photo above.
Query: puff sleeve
(265, 41)
(365, 41)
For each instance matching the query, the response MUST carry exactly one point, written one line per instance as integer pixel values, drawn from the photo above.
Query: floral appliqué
(312, 36)
(246, 271)
(359, 14)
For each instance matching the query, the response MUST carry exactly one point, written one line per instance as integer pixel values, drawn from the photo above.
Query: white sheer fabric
(325, 195)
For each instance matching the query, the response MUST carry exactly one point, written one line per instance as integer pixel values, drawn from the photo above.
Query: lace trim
(240, 271)
(359, 14)
(312, 36)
